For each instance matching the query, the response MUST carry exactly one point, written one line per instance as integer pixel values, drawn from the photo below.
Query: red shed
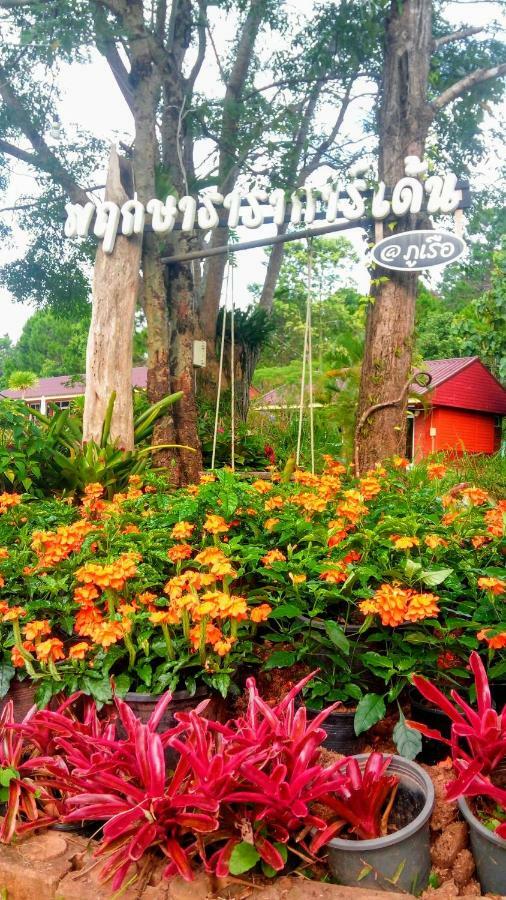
(464, 415)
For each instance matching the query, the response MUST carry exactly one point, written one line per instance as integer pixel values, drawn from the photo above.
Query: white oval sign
(412, 251)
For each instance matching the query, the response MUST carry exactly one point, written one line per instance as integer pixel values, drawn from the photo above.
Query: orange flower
(209, 556)
(269, 524)
(215, 525)
(496, 519)
(131, 529)
(16, 657)
(179, 552)
(333, 576)
(182, 531)
(421, 606)
(400, 462)
(4, 553)
(260, 613)
(146, 598)
(262, 487)
(87, 620)
(391, 603)
(433, 541)
(34, 630)
(297, 579)
(207, 479)
(274, 503)
(86, 594)
(7, 501)
(475, 496)
(436, 470)
(224, 646)
(79, 651)
(450, 517)
(369, 487)
(368, 607)
(273, 556)
(479, 540)
(13, 614)
(494, 585)
(495, 641)
(107, 633)
(52, 547)
(404, 542)
(111, 575)
(333, 465)
(50, 650)
(235, 608)
(213, 635)
(164, 617)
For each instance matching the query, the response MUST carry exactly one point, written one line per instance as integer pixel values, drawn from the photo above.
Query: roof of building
(463, 383)
(63, 386)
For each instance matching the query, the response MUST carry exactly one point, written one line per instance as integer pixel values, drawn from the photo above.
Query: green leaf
(6, 676)
(407, 740)
(145, 673)
(364, 872)
(43, 694)
(243, 858)
(338, 637)
(432, 577)
(122, 684)
(7, 774)
(280, 658)
(411, 568)
(220, 682)
(398, 872)
(370, 710)
(100, 689)
(285, 611)
(376, 659)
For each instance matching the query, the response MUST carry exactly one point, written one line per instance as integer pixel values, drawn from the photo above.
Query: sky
(91, 100)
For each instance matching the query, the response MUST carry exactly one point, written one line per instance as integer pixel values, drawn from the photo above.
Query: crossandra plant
(478, 738)
(390, 574)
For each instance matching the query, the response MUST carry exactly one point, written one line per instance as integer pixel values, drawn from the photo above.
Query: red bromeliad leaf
(175, 852)
(269, 853)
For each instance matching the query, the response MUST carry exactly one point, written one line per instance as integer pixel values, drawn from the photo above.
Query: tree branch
(456, 36)
(18, 153)
(466, 83)
(313, 164)
(107, 47)
(43, 158)
(202, 44)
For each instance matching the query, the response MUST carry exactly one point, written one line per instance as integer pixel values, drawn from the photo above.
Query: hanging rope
(220, 373)
(307, 357)
(232, 370)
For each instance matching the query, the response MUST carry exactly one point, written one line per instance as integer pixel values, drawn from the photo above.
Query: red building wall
(457, 430)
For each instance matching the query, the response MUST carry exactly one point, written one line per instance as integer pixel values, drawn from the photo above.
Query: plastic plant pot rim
(388, 840)
(475, 823)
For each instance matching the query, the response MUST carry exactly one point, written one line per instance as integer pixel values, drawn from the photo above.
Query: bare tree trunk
(404, 120)
(109, 350)
(272, 274)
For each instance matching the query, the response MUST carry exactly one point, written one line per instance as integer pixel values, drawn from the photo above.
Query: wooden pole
(109, 350)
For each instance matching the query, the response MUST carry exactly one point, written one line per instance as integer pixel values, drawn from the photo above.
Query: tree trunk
(404, 120)
(272, 274)
(109, 350)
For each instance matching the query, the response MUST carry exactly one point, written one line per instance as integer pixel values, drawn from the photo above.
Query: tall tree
(409, 109)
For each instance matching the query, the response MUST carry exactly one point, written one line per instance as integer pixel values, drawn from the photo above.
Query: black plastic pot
(489, 851)
(143, 705)
(341, 737)
(421, 711)
(398, 861)
(498, 692)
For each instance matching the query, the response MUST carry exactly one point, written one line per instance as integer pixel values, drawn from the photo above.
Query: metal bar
(263, 242)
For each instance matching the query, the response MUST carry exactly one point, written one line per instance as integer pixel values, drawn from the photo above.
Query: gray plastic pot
(399, 861)
(489, 851)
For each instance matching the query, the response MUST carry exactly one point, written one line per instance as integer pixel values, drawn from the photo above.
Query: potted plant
(379, 835)
(478, 747)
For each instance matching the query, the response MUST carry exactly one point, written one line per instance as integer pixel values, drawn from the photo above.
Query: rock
(198, 889)
(463, 868)
(44, 847)
(297, 889)
(446, 891)
(22, 878)
(449, 844)
(444, 813)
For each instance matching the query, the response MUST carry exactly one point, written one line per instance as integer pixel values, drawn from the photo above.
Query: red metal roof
(60, 386)
(464, 383)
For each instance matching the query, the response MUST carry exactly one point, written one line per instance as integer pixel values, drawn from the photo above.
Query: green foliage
(46, 454)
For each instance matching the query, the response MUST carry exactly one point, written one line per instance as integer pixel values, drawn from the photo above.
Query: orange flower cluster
(395, 605)
(436, 470)
(111, 575)
(494, 585)
(494, 641)
(403, 542)
(433, 541)
(273, 556)
(496, 519)
(7, 501)
(179, 552)
(215, 525)
(182, 531)
(333, 466)
(52, 547)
